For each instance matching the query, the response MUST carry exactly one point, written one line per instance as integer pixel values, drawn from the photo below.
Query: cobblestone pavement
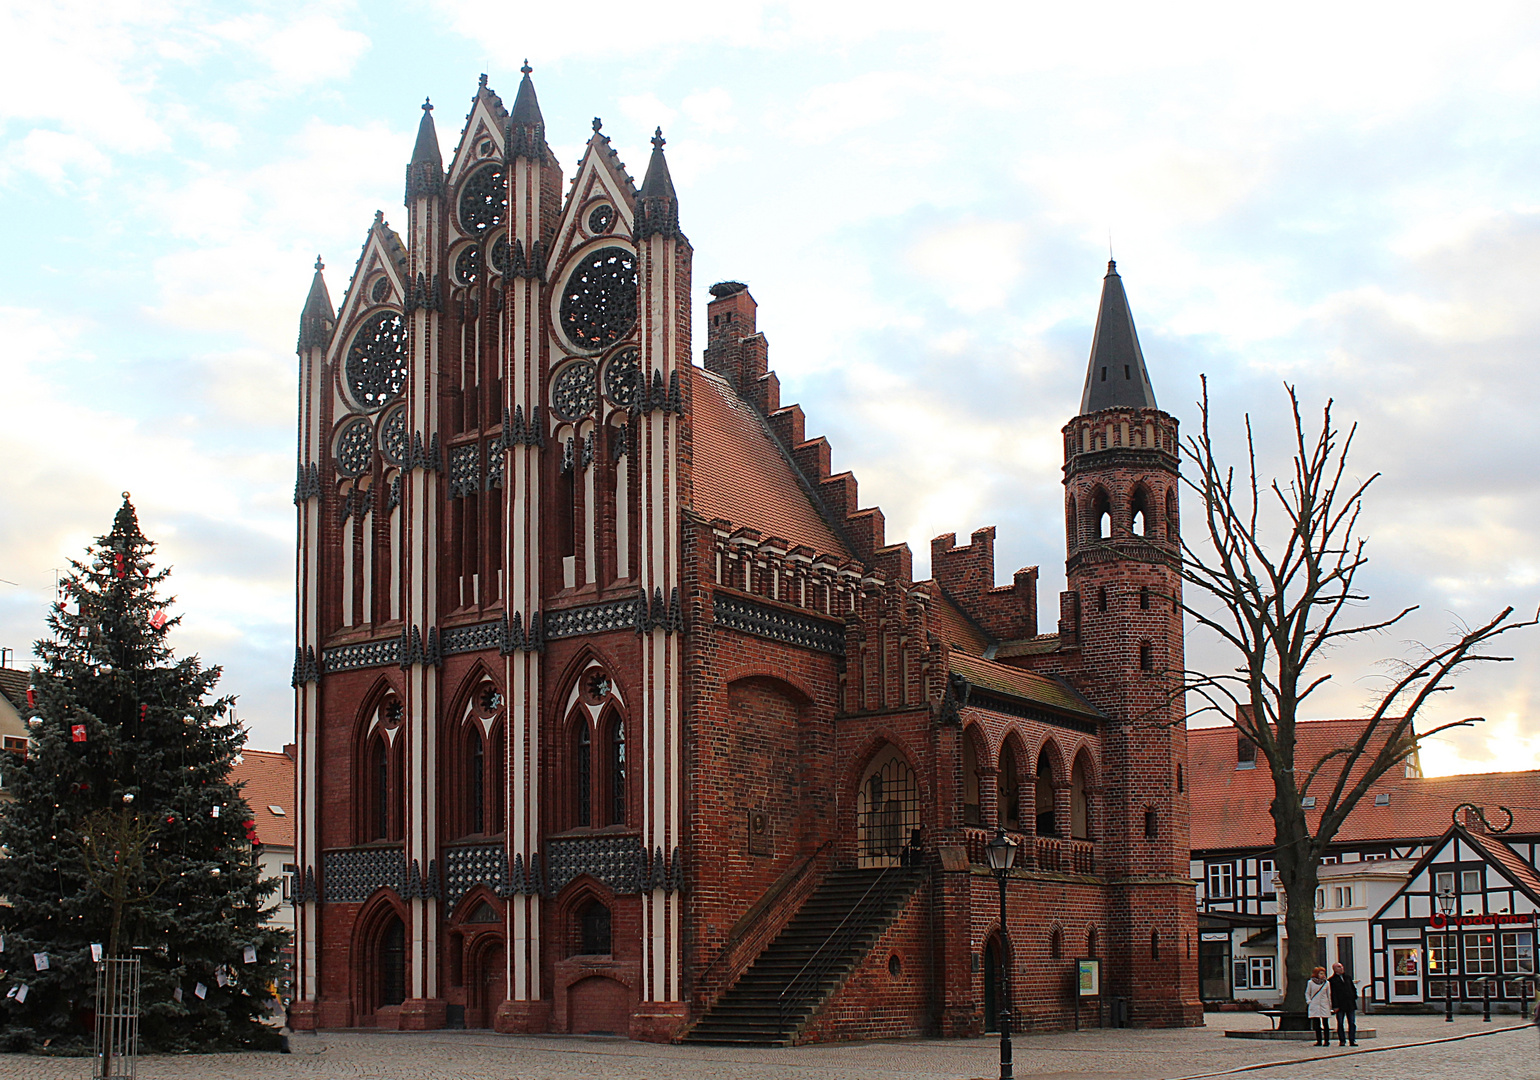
(1499, 1051)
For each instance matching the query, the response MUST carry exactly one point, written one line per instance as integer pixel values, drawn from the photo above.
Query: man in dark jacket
(1344, 1002)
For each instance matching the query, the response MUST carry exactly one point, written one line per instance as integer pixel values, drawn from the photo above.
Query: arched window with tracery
(476, 780)
(973, 813)
(582, 774)
(887, 809)
(379, 790)
(615, 770)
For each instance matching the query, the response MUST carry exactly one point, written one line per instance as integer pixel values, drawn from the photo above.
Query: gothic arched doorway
(887, 809)
(390, 966)
(488, 986)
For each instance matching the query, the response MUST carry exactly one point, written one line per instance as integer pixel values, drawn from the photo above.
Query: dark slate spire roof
(657, 183)
(425, 174)
(1116, 377)
(657, 207)
(426, 150)
(315, 322)
(526, 107)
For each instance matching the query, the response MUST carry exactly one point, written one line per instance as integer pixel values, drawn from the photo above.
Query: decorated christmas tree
(126, 836)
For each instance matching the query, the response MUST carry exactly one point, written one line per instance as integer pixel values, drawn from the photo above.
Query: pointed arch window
(1079, 803)
(1008, 786)
(1139, 513)
(593, 920)
(582, 774)
(615, 763)
(1046, 825)
(972, 809)
(476, 780)
(377, 778)
(1101, 514)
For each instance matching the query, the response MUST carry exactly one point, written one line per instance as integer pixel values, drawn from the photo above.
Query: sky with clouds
(1341, 196)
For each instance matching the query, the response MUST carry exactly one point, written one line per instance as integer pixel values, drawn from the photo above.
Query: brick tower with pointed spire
(1122, 612)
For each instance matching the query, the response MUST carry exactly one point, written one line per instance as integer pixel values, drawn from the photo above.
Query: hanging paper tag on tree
(40, 961)
(96, 952)
(21, 993)
(219, 977)
(176, 995)
(77, 733)
(158, 619)
(251, 954)
(201, 991)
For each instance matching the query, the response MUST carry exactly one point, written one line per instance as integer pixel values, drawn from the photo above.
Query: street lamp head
(1001, 851)
(1446, 901)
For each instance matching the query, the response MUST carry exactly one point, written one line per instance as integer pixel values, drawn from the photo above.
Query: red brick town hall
(616, 710)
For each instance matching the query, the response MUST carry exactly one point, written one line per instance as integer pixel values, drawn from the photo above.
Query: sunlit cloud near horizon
(922, 204)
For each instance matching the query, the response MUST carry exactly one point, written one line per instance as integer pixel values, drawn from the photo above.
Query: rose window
(621, 377)
(379, 292)
(376, 362)
(355, 449)
(499, 257)
(573, 396)
(601, 219)
(483, 201)
(393, 436)
(468, 265)
(598, 305)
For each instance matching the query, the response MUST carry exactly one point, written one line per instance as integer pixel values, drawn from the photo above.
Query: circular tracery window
(483, 200)
(379, 292)
(498, 258)
(598, 305)
(468, 265)
(376, 363)
(621, 376)
(393, 436)
(601, 219)
(355, 449)
(573, 395)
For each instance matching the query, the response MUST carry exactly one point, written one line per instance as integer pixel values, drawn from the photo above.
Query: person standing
(1344, 1002)
(1318, 1006)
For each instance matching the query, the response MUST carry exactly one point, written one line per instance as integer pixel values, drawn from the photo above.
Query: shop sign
(1440, 920)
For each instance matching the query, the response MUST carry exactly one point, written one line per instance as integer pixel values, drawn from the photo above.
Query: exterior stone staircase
(799, 971)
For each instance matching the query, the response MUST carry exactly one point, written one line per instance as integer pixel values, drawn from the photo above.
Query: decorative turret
(526, 127)
(657, 207)
(318, 316)
(425, 175)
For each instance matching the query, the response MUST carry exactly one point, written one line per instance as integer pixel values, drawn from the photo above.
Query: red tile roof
(269, 780)
(741, 475)
(1014, 682)
(1229, 806)
(1511, 861)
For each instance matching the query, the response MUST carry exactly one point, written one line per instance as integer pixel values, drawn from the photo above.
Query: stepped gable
(1028, 686)
(738, 371)
(967, 576)
(742, 477)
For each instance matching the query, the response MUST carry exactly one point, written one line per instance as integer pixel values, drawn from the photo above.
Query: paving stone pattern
(1504, 1054)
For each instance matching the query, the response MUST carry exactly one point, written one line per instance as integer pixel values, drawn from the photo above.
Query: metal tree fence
(116, 1050)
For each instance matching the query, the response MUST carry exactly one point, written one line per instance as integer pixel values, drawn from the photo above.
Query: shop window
(1443, 953)
(1518, 953)
(1481, 954)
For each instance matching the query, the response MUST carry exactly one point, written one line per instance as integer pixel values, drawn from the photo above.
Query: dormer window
(1245, 753)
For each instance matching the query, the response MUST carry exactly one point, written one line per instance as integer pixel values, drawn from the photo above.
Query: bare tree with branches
(1286, 594)
(118, 847)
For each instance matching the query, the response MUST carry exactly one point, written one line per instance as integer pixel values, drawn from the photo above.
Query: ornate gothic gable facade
(604, 677)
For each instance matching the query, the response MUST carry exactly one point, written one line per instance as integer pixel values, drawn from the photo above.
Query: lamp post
(1002, 854)
(1446, 905)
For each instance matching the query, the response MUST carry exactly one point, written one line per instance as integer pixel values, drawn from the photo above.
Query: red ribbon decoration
(78, 732)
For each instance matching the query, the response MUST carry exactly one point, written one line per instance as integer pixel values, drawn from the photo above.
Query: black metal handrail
(789, 1000)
